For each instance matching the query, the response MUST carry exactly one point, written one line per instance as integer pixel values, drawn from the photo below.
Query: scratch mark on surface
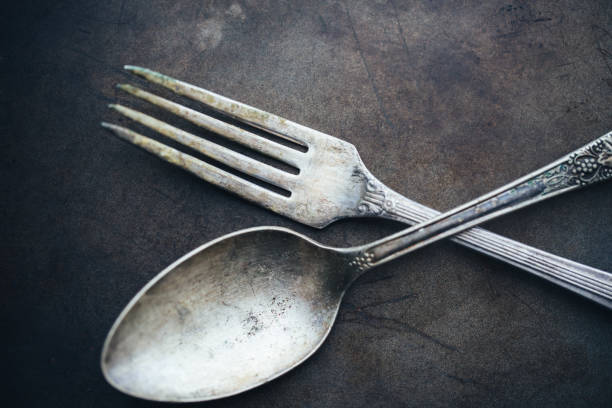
(119, 20)
(383, 302)
(509, 35)
(494, 291)
(606, 54)
(466, 380)
(372, 281)
(514, 295)
(399, 27)
(566, 64)
(367, 68)
(165, 195)
(379, 322)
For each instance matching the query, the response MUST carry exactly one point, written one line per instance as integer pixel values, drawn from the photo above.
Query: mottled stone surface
(444, 100)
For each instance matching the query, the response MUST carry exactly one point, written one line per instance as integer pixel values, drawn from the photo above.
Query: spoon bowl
(228, 316)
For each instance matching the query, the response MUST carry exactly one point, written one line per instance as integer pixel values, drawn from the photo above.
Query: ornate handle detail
(587, 165)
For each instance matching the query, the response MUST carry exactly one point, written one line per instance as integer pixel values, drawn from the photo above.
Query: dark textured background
(444, 100)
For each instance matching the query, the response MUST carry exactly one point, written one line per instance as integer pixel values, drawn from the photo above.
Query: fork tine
(224, 155)
(248, 114)
(233, 133)
(201, 169)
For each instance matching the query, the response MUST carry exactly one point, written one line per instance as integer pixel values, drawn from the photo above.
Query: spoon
(245, 308)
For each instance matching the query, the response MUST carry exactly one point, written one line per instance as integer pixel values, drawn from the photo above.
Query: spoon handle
(589, 164)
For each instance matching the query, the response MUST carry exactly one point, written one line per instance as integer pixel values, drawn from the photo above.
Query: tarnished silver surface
(230, 315)
(249, 306)
(333, 183)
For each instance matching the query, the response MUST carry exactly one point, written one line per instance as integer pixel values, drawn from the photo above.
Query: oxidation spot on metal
(253, 323)
(280, 306)
(182, 312)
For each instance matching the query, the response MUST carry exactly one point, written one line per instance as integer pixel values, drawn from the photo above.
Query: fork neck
(380, 201)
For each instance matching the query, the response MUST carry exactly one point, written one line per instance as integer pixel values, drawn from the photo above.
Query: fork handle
(587, 165)
(584, 280)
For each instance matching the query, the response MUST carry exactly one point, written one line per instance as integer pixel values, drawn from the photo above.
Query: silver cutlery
(247, 307)
(332, 183)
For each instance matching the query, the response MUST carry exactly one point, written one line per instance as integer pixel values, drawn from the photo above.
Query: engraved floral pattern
(588, 165)
(377, 201)
(373, 199)
(363, 261)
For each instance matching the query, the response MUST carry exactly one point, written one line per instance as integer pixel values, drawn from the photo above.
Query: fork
(332, 182)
